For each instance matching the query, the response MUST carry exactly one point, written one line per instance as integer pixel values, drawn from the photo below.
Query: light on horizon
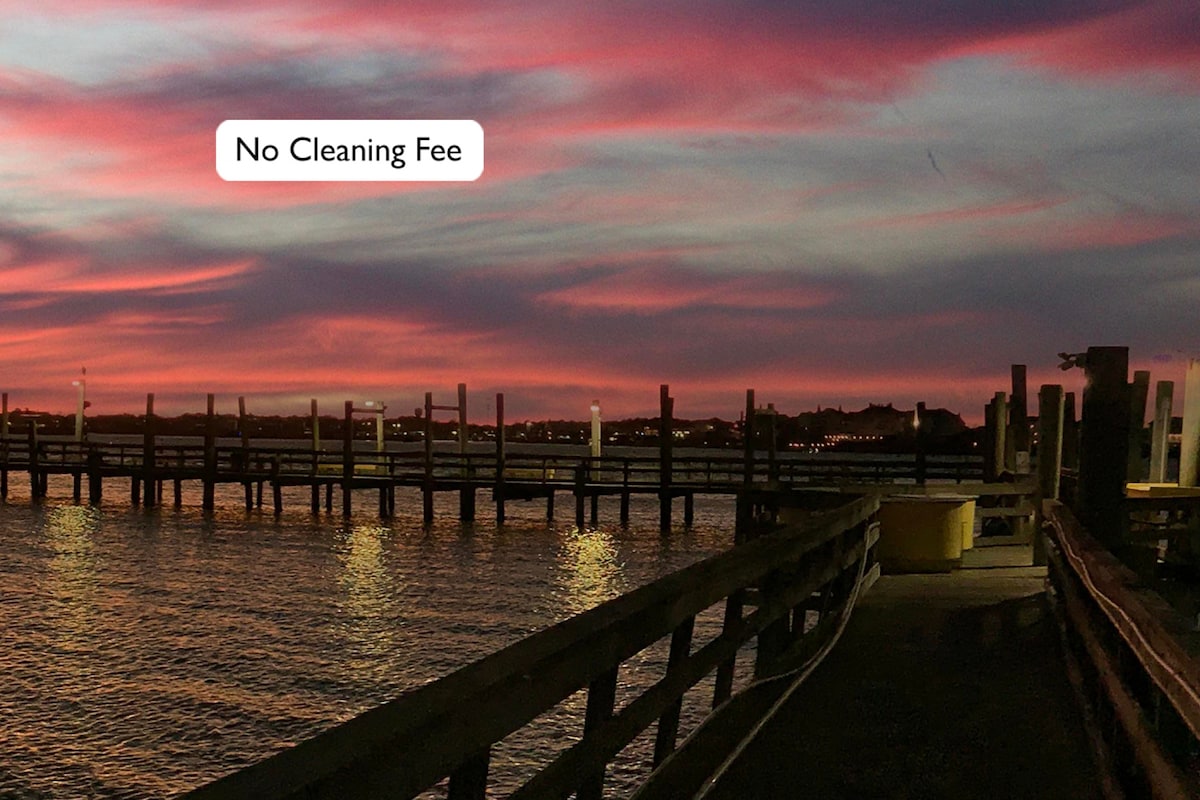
(81, 402)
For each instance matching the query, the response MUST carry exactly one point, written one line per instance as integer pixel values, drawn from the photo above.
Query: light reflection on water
(590, 569)
(368, 597)
(147, 652)
(68, 534)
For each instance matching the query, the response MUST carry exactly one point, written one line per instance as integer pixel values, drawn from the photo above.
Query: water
(146, 652)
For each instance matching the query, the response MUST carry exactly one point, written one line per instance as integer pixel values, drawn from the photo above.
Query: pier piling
(920, 436)
(427, 481)
(1050, 447)
(1105, 442)
(499, 488)
(210, 454)
(666, 435)
(1161, 430)
(4, 446)
(348, 459)
(1139, 390)
(1189, 442)
(1017, 442)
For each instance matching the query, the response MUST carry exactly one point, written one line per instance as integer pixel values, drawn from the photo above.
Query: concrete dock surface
(942, 686)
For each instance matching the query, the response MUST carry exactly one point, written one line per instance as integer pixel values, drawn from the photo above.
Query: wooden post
(276, 486)
(550, 506)
(499, 490)
(1161, 430)
(1070, 456)
(466, 494)
(689, 509)
(988, 444)
(427, 482)
(316, 425)
(1050, 439)
(772, 446)
(602, 697)
(1189, 442)
(624, 512)
(4, 446)
(748, 440)
(148, 495)
(1018, 427)
(35, 478)
(315, 500)
(580, 477)
(1138, 391)
(348, 459)
(666, 435)
(1103, 453)
(210, 454)
(920, 434)
(178, 493)
(999, 424)
(95, 486)
(723, 683)
(248, 489)
(668, 723)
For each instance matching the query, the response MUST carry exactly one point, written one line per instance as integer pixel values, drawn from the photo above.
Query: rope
(1082, 571)
(797, 675)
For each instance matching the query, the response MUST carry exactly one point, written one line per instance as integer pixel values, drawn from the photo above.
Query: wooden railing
(686, 471)
(448, 728)
(1132, 658)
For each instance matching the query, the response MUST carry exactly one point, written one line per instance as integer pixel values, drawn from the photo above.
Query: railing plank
(668, 722)
(1145, 630)
(508, 689)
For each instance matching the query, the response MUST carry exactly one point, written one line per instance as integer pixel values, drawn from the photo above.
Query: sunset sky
(832, 202)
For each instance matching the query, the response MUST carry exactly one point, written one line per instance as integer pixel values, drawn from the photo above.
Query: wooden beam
(1189, 443)
(1139, 389)
(1017, 447)
(148, 433)
(1050, 440)
(1160, 431)
(1104, 446)
(348, 459)
(499, 490)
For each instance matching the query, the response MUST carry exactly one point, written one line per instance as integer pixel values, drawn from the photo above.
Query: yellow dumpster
(924, 533)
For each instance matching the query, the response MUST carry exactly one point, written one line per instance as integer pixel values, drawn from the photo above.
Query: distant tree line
(877, 428)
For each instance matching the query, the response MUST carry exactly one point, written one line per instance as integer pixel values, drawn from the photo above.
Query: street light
(81, 403)
(595, 429)
(377, 407)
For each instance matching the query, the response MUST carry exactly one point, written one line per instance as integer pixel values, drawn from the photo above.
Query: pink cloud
(1095, 232)
(649, 290)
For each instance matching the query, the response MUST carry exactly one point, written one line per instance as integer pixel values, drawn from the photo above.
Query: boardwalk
(942, 686)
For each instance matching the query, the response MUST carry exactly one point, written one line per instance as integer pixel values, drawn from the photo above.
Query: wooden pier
(506, 472)
(1068, 676)
(1088, 689)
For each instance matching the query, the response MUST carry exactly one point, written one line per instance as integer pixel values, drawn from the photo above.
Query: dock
(959, 692)
(503, 473)
(886, 659)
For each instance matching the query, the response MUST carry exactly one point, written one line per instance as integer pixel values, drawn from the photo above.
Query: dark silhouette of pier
(503, 474)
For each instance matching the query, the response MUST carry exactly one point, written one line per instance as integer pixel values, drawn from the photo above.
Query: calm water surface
(147, 652)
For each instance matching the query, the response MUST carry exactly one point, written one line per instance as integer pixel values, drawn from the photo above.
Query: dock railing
(448, 728)
(1132, 658)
